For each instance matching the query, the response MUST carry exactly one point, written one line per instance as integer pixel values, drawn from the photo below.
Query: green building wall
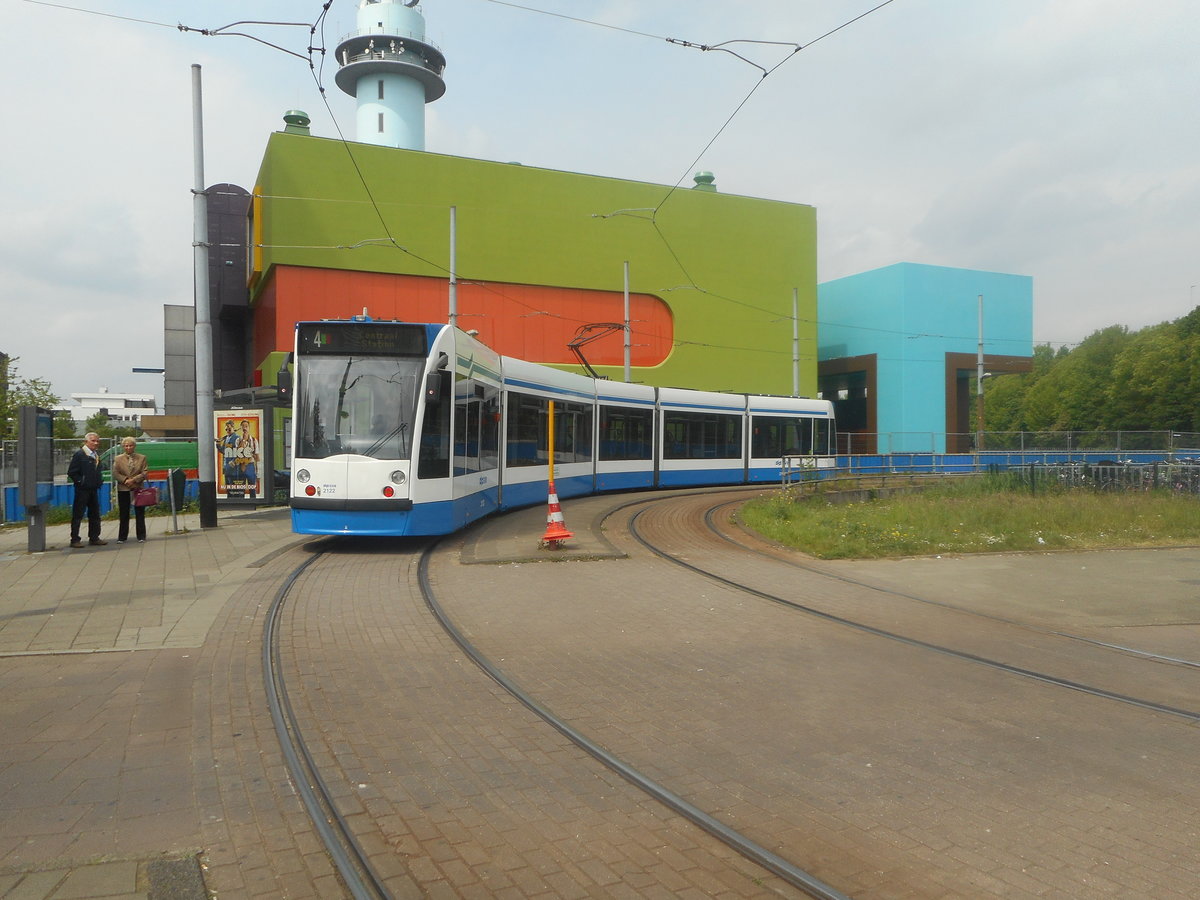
(725, 265)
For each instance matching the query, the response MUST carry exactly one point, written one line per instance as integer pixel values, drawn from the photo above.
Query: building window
(381, 123)
(381, 91)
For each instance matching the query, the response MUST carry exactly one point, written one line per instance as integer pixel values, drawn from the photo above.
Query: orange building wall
(526, 321)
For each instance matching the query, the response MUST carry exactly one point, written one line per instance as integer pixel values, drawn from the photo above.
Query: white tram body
(417, 429)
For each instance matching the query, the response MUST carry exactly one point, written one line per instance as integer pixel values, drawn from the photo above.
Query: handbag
(145, 496)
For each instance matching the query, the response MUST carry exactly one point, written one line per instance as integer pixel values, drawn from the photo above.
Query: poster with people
(239, 453)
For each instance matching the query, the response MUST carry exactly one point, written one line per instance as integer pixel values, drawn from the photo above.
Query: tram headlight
(302, 476)
(398, 477)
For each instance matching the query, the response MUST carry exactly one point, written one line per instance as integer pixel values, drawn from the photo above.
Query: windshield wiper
(398, 430)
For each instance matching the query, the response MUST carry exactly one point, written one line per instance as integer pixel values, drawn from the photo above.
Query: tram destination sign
(362, 338)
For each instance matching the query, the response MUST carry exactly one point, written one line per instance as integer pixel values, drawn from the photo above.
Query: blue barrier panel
(60, 495)
(64, 495)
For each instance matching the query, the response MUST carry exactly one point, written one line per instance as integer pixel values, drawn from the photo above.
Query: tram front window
(362, 405)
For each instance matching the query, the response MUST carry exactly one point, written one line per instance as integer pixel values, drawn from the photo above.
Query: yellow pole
(550, 440)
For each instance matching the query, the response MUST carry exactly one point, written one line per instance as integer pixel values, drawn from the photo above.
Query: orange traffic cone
(556, 529)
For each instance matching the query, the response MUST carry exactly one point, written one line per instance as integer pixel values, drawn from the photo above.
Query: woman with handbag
(128, 476)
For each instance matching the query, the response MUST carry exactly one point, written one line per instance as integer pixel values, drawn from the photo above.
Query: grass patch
(974, 515)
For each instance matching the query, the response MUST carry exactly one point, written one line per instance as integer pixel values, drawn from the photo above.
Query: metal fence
(1115, 442)
(1109, 460)
(1180, 475)
(64, 448)
(852, 444)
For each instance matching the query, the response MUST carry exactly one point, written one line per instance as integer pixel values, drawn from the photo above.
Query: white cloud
(1051, 138)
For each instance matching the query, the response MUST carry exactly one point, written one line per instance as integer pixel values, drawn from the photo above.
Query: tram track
(724, 535)
(720, 795)
(734, 839)
(359, 876)
(709, 526)
(343, 848)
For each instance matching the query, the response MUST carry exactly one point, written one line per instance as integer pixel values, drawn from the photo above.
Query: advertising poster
(239, 453)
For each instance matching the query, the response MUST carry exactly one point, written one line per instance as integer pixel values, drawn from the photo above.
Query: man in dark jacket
(84, 472)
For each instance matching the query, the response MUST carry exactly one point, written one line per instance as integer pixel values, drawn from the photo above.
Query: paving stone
(887, 770)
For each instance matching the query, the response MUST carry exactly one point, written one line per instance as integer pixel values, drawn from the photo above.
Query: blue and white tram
(529, 388)
(414, 429)
(626, 425)
(787, 427)
(702, 438)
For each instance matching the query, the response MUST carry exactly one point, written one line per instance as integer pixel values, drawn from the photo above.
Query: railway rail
(353, 865)
(709, 518)
(694, 533)
(358, 874)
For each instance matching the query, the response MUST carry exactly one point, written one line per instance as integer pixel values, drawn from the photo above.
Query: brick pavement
(97, 742)
(883, 770)
(477, 795)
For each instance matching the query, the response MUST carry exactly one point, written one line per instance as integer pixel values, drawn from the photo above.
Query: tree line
(1114, 380)
(17, 391)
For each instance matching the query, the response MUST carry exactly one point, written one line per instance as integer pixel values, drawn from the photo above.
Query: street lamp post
(979, 384)
(207, 469)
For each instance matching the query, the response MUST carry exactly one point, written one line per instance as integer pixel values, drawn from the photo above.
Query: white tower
(388, 65)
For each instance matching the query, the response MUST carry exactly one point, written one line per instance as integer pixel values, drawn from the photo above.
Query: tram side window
(525, 444)
(434, 459)
(572, 433)
(526, 441)
(476, 428)
(777, 436)
(823, 443)
(803, 439)
(701, 436)
(766, 437)
(800, 437)
(626, 433)
(489, 428)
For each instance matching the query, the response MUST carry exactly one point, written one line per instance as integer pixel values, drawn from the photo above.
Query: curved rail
(1190, 715)
(772, 862)
(710, 523)
(335, 833)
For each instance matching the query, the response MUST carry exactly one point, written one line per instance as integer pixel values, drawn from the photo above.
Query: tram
(405, 429)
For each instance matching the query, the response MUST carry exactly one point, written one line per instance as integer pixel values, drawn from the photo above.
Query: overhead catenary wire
(766, 74)
(97, 12)
(796, 48)
(557, 15)
(318, 48)
(315, 54)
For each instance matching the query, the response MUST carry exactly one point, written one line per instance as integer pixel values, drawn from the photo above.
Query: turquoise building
(899, 352)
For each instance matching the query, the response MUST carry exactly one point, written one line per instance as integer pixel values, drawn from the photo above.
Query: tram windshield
(364, 405)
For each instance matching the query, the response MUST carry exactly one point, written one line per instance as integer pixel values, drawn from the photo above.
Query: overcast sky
(1058, 139)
